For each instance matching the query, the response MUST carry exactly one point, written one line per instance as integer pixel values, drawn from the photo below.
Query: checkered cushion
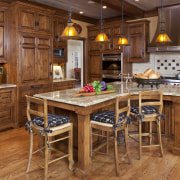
(145, 109)
(107, 117)
(53, 120)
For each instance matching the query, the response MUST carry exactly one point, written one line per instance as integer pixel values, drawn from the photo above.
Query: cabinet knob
(36, 23)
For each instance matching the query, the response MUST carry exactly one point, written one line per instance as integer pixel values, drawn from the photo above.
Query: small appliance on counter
(57, 72)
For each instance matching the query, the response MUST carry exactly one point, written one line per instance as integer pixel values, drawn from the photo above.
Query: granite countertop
(7, 86)
(64, 96)
(61, 80)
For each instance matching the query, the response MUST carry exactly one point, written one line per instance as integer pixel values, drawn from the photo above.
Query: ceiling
(132, 8)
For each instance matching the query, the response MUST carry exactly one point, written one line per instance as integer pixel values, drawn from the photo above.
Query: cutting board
(91, 93)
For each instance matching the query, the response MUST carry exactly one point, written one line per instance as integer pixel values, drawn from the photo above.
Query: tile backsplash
(167, 63)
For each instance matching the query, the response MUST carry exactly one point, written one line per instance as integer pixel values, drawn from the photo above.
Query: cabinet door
(139, 38)
(59, 26)
(2, 34)
(27, 19)
(44, 22)
(27, 61)
(43, 58)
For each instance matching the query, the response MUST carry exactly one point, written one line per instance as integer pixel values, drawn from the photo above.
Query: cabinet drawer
(5, 116)
(5, 97)
(25, 90)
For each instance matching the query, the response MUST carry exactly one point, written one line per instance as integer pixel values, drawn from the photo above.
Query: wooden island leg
(83, 143)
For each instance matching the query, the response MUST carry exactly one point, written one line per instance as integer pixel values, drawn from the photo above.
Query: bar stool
(149, 110)
(113, 122)
(40, 122)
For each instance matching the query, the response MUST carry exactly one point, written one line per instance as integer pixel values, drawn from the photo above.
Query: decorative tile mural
(167, 63)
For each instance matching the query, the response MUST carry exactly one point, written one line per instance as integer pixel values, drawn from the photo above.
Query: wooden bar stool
(149, 110)
(40, 122)
(113, 122)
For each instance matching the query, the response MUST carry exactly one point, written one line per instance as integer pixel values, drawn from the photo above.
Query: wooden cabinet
(28, 90)
(3, 32)
(61, 85)
(96, 50)
(59, 25)
(30, 48)
(7, 108)
(34, 58)
(34, 19)
(138, 34)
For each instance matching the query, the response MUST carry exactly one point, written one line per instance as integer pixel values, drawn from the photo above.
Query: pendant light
(69, 31)
(101, 37)
(123, 40)
(162, 37)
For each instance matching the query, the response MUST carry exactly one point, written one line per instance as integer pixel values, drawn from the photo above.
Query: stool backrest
(122, 106)
(151, 98)
(37, 107)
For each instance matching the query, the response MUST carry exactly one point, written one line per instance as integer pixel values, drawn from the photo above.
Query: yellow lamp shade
(69, 31)
(163, 37)
(102, 37)
(123, 41)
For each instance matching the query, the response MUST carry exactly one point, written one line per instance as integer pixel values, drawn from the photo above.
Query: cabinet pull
(51, 68)
(5, 97)
(2, 116)
(56, 36)
(32, 86)
(36, 23)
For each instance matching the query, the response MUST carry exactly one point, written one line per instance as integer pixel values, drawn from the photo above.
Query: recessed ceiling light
(104, 7)
(91, 2)
(81, 12)
(136, 0)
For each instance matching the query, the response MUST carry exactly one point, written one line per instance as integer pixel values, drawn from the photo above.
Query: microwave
(58, 52)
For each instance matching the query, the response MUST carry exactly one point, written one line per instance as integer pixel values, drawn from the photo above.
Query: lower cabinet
(61, 85)
(7, 108)
(36, 89)
(28, 90)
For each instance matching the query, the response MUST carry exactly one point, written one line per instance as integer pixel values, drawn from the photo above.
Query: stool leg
(140, 139)
(30, 151)
(116, 155)
(126, 143)
(159, 138)
(70, 146)
(46, 158)
(150, 132)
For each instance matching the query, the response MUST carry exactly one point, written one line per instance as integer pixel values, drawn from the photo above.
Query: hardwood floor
(14, 150)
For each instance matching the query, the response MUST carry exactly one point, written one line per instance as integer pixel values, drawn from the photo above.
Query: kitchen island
(82, 107)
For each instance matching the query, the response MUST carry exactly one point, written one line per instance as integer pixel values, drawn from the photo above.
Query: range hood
(172, 27)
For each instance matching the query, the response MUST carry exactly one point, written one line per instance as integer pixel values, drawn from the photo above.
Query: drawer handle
(2, 116)
(32, 86)
(5, 97)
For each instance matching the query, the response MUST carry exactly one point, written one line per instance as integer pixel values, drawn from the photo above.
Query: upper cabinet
(30, 44)
(3, 31)
(138, 36)
(59, 25)
(32, 18)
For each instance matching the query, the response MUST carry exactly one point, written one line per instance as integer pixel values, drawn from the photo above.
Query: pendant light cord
(70, 21)
(162, 14)
(122, 19)
(101, 18)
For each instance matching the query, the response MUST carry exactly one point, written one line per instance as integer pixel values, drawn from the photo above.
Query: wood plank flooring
(14, 150)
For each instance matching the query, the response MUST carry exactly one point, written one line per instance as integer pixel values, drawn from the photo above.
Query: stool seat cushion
(53, 120)
(107, 117)
(145, 109)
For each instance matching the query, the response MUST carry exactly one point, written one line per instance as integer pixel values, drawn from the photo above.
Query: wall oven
(112, 67)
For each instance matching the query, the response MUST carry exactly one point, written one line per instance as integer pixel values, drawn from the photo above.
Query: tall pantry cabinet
(29, 51)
